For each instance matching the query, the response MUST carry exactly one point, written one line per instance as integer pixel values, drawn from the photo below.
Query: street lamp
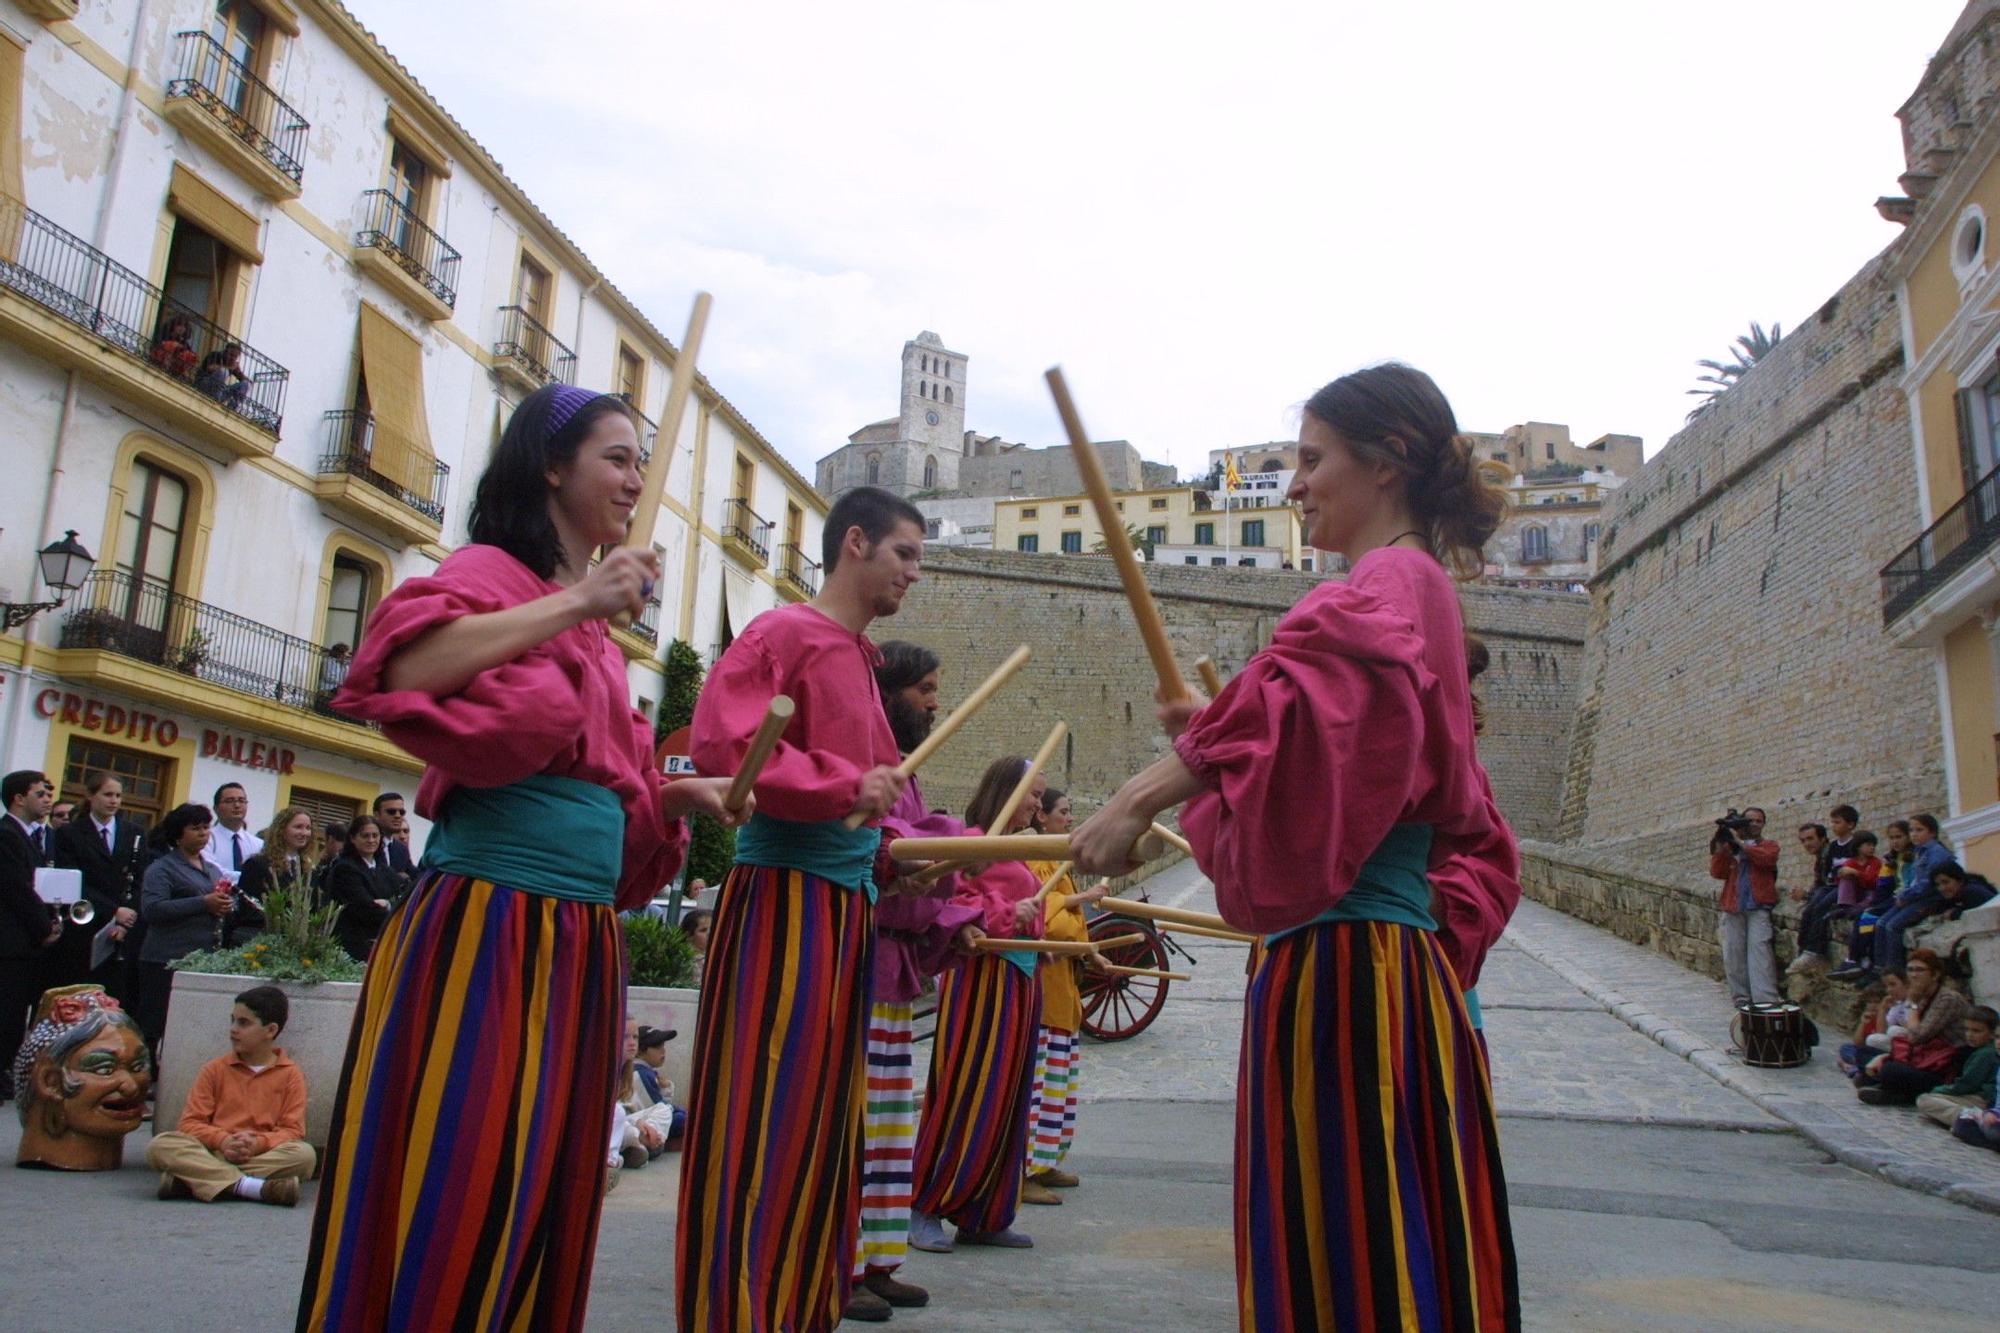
(65, 564)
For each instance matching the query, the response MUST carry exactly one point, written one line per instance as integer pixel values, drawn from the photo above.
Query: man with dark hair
(59, 815)
(1820, 895)
(230, 842)
(394, 812)
(243, 1132)
(872, 510)
(1747, 865)
(26, 929)
(110, 851)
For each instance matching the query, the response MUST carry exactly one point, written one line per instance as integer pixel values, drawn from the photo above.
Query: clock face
(931, 417)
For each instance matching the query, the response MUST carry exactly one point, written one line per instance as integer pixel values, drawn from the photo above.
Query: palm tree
(1722, 376)
(1133, 534)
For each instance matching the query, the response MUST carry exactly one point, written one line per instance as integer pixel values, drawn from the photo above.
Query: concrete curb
(1848, 1146)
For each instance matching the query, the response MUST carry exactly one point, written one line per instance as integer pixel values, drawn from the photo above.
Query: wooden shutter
(392, 359)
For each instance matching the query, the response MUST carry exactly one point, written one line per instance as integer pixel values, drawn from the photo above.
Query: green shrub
(659, 954)
(297, 944)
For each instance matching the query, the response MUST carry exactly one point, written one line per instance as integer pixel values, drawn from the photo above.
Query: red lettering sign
(249, 753)
(106, 718)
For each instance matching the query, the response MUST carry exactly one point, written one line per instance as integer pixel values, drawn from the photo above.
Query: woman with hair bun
(1334, 796)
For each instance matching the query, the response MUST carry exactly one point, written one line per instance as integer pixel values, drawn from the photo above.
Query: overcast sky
(1555, 208)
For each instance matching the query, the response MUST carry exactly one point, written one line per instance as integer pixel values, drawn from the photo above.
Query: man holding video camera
(1747, 864)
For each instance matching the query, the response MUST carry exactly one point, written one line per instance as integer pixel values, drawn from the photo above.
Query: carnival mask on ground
(82, 1077)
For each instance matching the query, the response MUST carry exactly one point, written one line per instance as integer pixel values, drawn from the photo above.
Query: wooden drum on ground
(1773, 1036)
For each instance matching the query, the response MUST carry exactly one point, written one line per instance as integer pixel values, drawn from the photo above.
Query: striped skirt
(889, 1132)
(1369, 1192)
(974, 1133)
(1052, 1103)
(465, 1166)
(770, 1192)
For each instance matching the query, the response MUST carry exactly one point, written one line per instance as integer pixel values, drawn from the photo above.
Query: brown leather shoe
(882, 1281)
(283, 1192)
(1035, 1192)
(865, 1307)
(1055, 1179)
(173, 1187)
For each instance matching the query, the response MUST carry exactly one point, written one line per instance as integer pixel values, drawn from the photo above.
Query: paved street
(1646, 1194)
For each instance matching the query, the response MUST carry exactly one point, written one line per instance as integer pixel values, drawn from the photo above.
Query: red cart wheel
(1117, 1007)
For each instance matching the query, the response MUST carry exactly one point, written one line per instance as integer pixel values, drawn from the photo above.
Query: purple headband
(566, 402)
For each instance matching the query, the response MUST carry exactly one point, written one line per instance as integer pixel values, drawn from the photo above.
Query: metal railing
(647, 626)
(1960, 535)
(523, 338)
(225, 88)
(795, 568)
(148, 621)
(741, 523)
(68, 277)
(350, 448)
(399, 233)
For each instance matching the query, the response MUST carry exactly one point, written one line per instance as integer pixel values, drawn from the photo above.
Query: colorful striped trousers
(1052, 1103)
(465, 1166)
(889, 1134)
(1369, 1192)
(974, 1133)
(770, 1192)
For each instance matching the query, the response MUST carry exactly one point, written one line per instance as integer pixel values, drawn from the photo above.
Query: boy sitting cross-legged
(243, 1131)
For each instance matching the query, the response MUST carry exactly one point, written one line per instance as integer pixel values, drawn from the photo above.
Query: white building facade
(265, 308)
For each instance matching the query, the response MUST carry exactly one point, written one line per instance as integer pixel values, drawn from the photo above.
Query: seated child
(1972, 1090)
(1895, 1013)
(1858, 1052)
(650, 1099)
(243, 1131)
(633, 1142)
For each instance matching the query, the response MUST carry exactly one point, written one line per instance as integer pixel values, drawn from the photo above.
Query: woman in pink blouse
(465, 1166)
(1334, 796)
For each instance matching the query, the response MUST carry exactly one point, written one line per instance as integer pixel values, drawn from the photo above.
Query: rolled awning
(392, 361)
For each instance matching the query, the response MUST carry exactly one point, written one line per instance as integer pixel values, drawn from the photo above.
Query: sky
(1202, 213)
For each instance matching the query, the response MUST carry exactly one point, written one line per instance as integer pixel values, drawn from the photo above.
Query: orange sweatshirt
(228, 1098)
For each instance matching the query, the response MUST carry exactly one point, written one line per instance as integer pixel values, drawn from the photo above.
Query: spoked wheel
(1117, 1007)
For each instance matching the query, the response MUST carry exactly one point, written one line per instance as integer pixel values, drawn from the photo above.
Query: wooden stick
(1144, 972)
(960, 715)
(1055, 878)
(1151, 628)
(1005, 815)
(647, 515)
(1066, 948)
(775, 717)
(1155, 912)
(1008, 847)
(1211, 679)
(1174, 839)
(1234, 936)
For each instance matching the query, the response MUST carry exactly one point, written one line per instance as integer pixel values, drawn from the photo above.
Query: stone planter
(315, 1038)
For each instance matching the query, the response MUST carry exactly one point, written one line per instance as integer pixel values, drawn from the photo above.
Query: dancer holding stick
(770, 1201)
(959, 717)
(465, 1166)
(1321, 785)
(974, 1134)
(1058, 1040)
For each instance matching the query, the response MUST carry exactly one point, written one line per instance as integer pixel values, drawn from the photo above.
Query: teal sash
(1393, 884)
(557, 837)
(829, 849)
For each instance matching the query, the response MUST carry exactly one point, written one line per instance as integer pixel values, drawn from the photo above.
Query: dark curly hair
(510, 508)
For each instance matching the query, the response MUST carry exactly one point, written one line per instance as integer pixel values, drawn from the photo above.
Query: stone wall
(1736, 653)
(1091, 670)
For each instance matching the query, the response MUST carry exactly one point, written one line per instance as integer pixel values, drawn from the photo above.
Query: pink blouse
(559, 709)
(913, 934)
(838, 733)
(1357, 717)
(992, 892)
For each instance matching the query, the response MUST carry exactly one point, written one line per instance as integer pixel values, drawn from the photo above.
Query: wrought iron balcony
(71, 279)
(147, 621)
(741, 524)
(647, 626)
(532, 350)
(1961, 534)
(244, 104)
(795, 569)
(350, 449)
(397, 232)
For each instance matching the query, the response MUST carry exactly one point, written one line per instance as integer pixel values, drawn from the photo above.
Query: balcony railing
(796, 569)
(81, 284)
(740, 523)
(225, 88)
(647, 626)
(420, 252)
(350, 448)
(523, 338)
(1961, 534)
(146, 620)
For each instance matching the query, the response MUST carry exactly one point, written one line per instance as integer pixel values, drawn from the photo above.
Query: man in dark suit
(26, 930)
(394, 812)
(110, 850)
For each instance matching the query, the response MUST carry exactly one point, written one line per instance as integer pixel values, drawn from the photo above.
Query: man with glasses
(394, 812)
(1747, 864)
(230, 841)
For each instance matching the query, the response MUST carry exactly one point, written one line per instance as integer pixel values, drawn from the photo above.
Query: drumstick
(1007, 847)
(775, 717)
(1055, 877)
(640, 534)
(1005, 816)
(1155, 912)
(1145, 972)
(1151, 628)
(1234, 936)
(1063, 948)
(960, 715)
(1211, 679)
(1174, 839)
